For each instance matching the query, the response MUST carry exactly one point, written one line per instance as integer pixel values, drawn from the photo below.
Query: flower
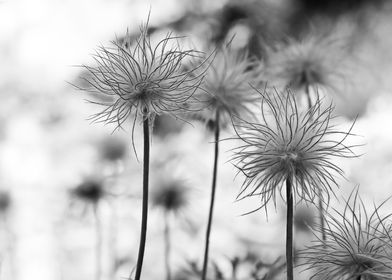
(140, 79)
(289, 144)
(170, 195)
(91, 190)
(5, 201)
(314, 61)
(113, 149)
(226, 87)
(354, 248)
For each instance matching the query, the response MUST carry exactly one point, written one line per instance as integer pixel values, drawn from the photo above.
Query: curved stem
(320, 193)
(213, 188)
(167, 246)
(143, 231)
(289, 230)
(98, 244)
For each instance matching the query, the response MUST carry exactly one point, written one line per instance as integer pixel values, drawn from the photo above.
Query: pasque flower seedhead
(141, 79)
(226, 86)
(290, 144)
(355, 247)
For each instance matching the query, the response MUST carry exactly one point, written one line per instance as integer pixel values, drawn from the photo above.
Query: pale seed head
(289, 144)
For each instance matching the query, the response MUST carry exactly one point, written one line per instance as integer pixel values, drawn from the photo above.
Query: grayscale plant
(292, 149)
(139, 80)
(356, 246)
(90, 192)
(314, 61)
(171, 196)
(305, 66)
(226, 92)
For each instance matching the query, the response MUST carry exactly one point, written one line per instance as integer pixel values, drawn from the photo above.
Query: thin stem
(11, 241)
(321, 215)
(307, 92)
(289, 230)
(213, 188)
(320, 193)
(113, 241)
(98, 244)
(167, 246)
(146, 166)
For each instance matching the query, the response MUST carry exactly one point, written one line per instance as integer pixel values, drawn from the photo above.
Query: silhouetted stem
(98, 244)
(320, 193)
(289, 230)
(167, 246)
(213, 188)
(143, 231)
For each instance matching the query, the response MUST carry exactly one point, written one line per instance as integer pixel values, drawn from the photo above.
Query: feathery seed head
(312, 61)
(141, 79)
(289, 144)
(354, 245)
(226, 86)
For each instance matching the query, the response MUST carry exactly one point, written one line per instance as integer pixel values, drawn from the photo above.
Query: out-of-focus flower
(290, 145)
(354, 248)
(141, 79)
(91, 190)
(314, 61)
(113, 149)
(5, 201)
(304, 218)
(171, 195)
(226, 88)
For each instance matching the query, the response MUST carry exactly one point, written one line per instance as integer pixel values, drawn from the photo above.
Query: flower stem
(113, 241)
(146, 166)
(213, 188)
(98, 244)
(320, 193)
(321, 216)
(289, 230)
(167, 246)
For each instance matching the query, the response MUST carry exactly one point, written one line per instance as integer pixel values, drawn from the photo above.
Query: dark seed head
(91, 190)
(170, 196)
(5, 201)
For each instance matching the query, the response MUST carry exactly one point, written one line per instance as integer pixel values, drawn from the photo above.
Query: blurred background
(70, 191)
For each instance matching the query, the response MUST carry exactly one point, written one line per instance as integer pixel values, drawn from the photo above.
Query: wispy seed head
(290, 144)
(226, 86)
(354, 246)
(313, 61)
(140, 79)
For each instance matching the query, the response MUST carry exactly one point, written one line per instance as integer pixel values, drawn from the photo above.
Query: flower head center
(290, 157)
